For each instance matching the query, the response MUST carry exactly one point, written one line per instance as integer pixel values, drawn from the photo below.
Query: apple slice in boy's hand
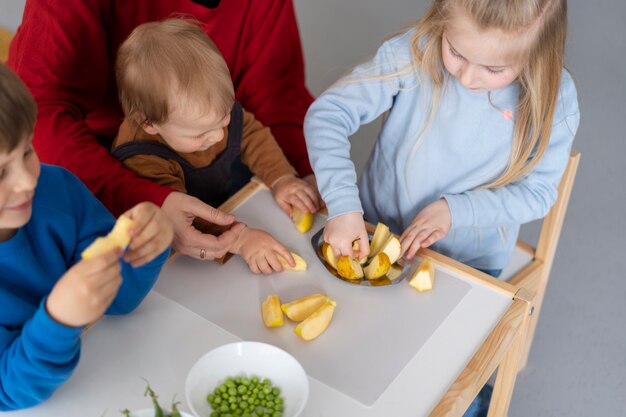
(117, 238)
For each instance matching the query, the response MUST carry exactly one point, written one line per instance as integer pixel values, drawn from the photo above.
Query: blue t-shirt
(38, 354)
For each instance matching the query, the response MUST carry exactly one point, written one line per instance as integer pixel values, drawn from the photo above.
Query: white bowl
(149, 412)
(247, 359)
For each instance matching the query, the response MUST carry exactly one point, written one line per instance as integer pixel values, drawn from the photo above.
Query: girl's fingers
(424, 233)
(364, 246)
(407, 238)
(414, 246)
(434, 237)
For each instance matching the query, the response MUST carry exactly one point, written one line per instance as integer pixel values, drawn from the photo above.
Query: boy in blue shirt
(47, 293)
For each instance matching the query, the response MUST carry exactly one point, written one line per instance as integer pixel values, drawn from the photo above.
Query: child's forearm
(36, 361)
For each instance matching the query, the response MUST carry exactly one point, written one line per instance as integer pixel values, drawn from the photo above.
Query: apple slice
(392, 248)
(302, 308)
(316, 323)
(118, 237)
(271, 311)
(381, 234)
(394, 272)
(300, 263)
(349, 268)
(302, 220)
(120, 231)
(378, 266)
(424, 276)
(329, 255)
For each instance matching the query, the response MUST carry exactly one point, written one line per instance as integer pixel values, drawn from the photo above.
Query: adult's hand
(182, 209)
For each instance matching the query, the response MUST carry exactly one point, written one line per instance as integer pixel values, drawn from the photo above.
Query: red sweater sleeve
(270, 79)
(61, 53)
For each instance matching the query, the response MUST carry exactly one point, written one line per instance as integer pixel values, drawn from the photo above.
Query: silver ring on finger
(202, 253)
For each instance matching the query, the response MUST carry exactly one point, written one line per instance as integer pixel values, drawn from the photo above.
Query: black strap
(130, 149)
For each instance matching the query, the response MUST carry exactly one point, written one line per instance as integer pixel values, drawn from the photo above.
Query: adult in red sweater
(65, 51)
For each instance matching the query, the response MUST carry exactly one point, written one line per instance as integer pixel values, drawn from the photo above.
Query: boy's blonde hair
(162, 60)
(544, 23)
(18, 110)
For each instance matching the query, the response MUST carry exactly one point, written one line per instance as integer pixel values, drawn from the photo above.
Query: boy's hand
(86, 290)
(342, 230)
(150, 235)
(182, 210)
(430, 225)
(259, 249)
(290, 191)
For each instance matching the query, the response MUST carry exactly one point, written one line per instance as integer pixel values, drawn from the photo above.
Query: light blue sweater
(467, 145)
(37, 354)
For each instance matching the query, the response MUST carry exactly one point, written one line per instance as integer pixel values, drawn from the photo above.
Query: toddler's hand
(430, 225)
(151, 234)
(342, 230)
(86, 290)
(259, 249)
(290, 191)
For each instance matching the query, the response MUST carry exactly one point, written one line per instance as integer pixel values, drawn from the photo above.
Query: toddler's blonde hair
(544, 24)
(166, 58)
(18, 110)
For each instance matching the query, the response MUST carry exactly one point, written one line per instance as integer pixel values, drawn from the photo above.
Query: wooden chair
(5, 41)
(530, 268)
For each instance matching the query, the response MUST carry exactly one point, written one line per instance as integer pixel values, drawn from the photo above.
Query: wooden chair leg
(532, 320)
(507, 371)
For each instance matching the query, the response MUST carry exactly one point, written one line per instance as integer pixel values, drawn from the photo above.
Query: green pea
(267, 381)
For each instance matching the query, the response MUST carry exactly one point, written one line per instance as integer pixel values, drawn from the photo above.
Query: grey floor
(578, 363)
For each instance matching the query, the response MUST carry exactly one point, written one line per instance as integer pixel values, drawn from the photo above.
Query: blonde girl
(480, 120)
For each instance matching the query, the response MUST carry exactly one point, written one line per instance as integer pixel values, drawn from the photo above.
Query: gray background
(578, 362)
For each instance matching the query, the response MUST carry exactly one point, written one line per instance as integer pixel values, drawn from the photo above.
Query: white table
(389, 351)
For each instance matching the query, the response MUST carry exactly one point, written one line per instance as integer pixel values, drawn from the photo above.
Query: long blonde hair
(545, 24)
